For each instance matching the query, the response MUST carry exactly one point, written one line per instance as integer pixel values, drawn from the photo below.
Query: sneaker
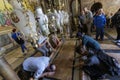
(24, 54)
(26, 51)
(118, 44)
(118, 41)
(115, 41)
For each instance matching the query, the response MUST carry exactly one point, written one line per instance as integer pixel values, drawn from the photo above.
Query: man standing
(89, 20)
(99, 23)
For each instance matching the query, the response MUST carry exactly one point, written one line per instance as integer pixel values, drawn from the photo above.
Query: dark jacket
(116, 18)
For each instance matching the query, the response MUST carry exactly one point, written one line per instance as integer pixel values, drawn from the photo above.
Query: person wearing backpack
(116, 23)
(17, 36)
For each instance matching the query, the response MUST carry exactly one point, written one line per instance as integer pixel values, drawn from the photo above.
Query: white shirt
(36, 64)
(41, 39)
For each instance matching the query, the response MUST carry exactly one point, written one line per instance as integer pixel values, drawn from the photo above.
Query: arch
(96, 6)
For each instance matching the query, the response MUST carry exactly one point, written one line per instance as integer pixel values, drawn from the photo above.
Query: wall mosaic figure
(43, 21)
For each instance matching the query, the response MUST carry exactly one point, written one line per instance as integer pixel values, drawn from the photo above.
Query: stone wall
(109, 6)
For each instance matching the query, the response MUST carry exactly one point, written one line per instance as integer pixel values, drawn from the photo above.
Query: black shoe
(96, 39)
(24, 54)
(101, 39)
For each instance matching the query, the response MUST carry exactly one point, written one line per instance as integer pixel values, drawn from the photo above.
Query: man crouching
(35, 68)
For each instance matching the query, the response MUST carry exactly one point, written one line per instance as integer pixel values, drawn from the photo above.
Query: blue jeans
(44, 50)
(100, 32)
(23, 47)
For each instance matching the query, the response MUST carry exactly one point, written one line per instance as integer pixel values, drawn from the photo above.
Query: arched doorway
(96, 6)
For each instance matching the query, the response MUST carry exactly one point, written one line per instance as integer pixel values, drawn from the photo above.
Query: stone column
(76, 7)
(6, 71)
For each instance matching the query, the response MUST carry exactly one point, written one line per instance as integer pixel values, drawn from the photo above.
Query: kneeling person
(89, 43)
(38, 67)
(53, 39)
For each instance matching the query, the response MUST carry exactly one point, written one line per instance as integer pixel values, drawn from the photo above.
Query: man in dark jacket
(116, 23)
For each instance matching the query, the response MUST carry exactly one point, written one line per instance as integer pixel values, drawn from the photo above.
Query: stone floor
(62, 60)
(16, 57)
